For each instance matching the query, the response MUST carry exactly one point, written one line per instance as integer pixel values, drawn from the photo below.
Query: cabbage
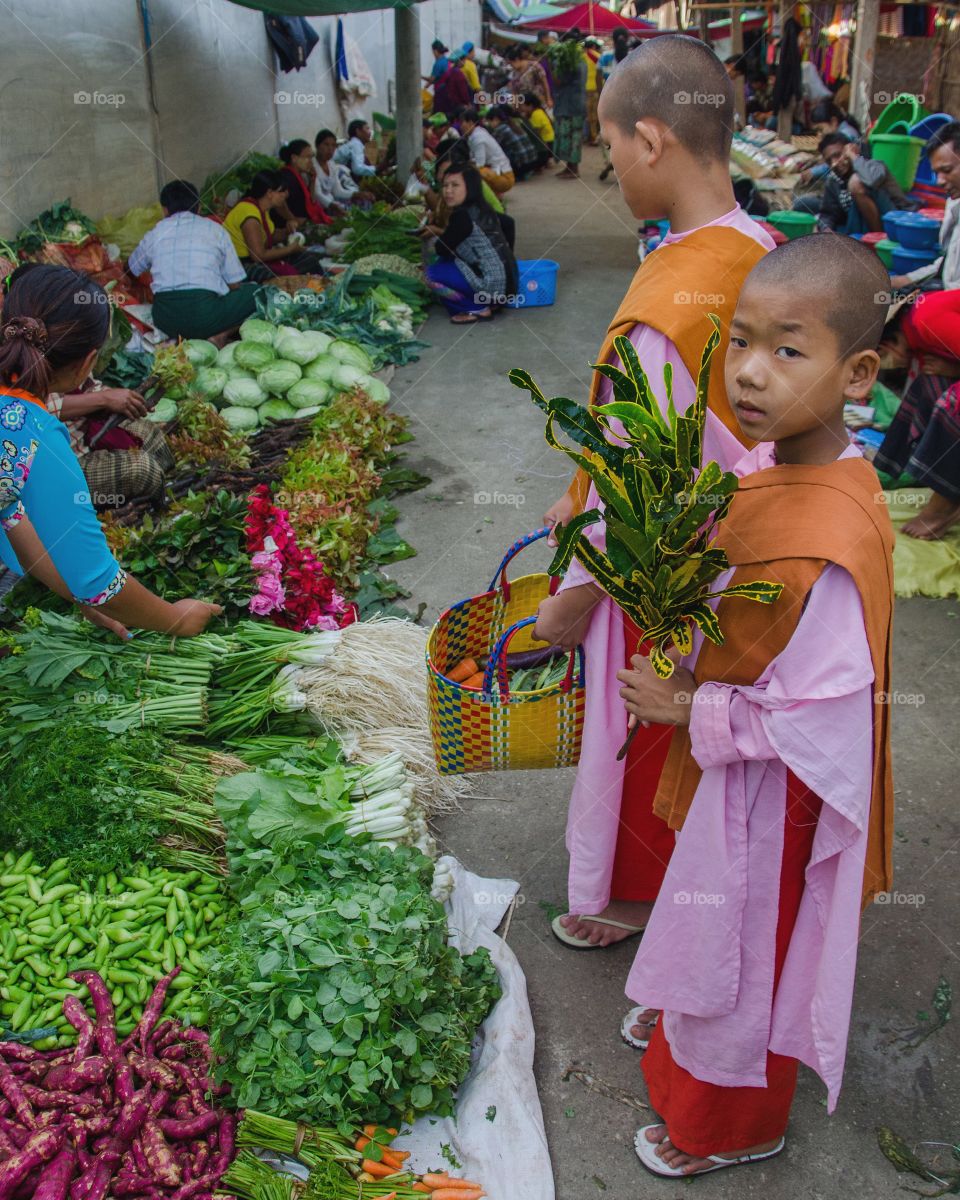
(278, 376)
(321, 368)
(246, 393)
(255, 329)
(297, 347)
(346, 377)
(164, 410)
(319, 342)
(254, 356)
(308, 412)
(377, 390)
(200, 353)
(210, 382)
(309, 393)
(276, 410)
(225, 357)
(240, 418)
(350, 352)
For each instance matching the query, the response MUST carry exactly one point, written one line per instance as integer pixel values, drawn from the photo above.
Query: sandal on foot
(568, 939)
(464, 319)
(647, 1153)
(628, 1023)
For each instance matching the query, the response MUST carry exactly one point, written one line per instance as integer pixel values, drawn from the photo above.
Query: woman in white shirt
(333, 186)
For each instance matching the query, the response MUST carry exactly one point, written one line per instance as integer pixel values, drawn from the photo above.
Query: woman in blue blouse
(54, 322)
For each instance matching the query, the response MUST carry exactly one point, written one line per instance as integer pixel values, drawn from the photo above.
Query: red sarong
(644, 842)
(704, 1118)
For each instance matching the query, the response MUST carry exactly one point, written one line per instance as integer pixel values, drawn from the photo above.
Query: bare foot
(598, 934)
(936, 517)
(689, 1163)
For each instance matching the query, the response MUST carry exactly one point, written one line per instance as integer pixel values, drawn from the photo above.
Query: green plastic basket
(793, 224)
(885, 251)
(901, 153)
(903, 109)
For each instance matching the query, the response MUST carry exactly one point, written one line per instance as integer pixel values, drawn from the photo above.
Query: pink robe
(707, 956)
(594, 818)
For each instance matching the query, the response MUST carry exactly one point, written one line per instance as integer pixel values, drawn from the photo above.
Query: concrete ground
(481, 441)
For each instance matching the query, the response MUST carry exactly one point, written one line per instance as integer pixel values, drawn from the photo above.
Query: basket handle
(501, 572)
(497, 662)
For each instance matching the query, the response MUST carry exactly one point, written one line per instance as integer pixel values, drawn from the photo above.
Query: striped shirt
(188, 251)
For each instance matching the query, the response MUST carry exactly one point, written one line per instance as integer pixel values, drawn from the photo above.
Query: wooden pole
(864, 53)
(409, 105)
(739, 85)
(785, 115)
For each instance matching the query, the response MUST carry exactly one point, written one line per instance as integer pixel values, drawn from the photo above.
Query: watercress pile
(335, 997)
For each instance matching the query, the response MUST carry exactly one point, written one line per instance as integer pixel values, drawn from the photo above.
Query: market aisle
(481, 441)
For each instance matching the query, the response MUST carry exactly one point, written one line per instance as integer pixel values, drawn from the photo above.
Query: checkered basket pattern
(498, 730)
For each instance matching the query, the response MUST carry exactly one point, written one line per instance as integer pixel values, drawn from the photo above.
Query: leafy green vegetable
(277, 377)
(61, 222)
(335, 996)
(199, 352)
(236, 178)
(382, 230)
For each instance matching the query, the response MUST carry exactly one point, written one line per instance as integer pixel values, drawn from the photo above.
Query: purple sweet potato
(16, 1132)
(163, 1166)
(79, 1018)
(12, 1088)
(55, 1178)
(152, 1010)
(151, 1070)
(7, 1147)
(192, 1084)
(75, 1077)
(191, 1128)
(131, 1185)
(39, 1149)
(132, 1116)
(105, 1029)
(16, 1052)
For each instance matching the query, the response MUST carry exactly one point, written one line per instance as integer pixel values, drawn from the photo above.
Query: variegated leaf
(706, 621)
(682, 637)
(661, 663)
(761, 590)
(567, 537)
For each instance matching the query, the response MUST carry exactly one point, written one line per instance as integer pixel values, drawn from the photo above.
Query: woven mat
(922, 568)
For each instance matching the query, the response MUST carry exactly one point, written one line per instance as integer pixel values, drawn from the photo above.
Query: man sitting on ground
(514, 142)
(858, 191)
(486, 154)
(199, 285)
(539, 128)
(353, 151)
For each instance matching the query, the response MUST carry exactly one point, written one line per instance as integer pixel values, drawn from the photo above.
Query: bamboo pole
(739, 84)
(785, 115)
(864, 53)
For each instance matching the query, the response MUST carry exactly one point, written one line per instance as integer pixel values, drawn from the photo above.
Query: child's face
(785, 373)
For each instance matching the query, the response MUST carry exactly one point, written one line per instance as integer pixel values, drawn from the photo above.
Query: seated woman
(923, 441)
(333, 185)
(262, 246)
(297, 177)
(476, 270)
(54, 322)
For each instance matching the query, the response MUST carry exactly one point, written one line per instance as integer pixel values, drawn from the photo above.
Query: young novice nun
(672, 160)
(778, 777)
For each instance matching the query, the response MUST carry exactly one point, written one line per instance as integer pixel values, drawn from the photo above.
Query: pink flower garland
(292, 587)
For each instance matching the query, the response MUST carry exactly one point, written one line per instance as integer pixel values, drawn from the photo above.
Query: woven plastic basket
(496, 729)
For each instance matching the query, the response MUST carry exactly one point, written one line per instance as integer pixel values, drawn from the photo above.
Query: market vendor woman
(53, 324)
(261, 245)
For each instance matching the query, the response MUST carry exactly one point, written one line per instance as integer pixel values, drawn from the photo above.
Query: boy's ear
(864, 367)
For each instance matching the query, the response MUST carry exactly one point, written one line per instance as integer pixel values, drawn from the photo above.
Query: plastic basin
(905, 260)
(537, 285)
(901, 153)
(793, 224)
(917, 233)
(925, 129)
(885, 251)
(903, 109)
(891, 221)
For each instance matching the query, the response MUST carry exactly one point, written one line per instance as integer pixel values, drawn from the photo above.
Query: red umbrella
(589, 17)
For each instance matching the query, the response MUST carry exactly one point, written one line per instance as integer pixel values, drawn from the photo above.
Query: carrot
(463, 670)
(440, 1179)
(457, 1193)
(475, 682)
(377, 1170)
(420, 1187)
(389, 1158)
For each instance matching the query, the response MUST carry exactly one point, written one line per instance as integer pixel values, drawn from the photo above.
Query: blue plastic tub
(891, 223)
(926, 129)
(904, 260)
(917, 233)
(537, 286)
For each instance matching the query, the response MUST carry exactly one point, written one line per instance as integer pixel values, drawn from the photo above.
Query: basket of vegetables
(498, 700)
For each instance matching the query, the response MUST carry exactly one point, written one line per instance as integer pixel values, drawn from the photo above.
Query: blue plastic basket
(537, 285)
(905, 260)
(926, 129)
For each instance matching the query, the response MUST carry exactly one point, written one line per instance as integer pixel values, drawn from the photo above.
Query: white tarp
(507, 1154)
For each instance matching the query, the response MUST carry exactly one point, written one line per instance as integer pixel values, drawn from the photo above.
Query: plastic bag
(127, 230)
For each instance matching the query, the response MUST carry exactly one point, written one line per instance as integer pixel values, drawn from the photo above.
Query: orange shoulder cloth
(673, 290)
(786, 523)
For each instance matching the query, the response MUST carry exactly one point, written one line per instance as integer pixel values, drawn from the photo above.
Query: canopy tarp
(589, 17)
(321, 8)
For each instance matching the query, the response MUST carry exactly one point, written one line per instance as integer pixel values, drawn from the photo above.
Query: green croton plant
(661, 504)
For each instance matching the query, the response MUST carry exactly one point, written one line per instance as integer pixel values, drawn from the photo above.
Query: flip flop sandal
(628, 1023)
(471, 320)
(581, 944)
(647, 1153)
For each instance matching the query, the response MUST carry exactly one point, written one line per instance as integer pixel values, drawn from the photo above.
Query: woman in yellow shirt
(539, 129)
(261, 244)
(469, 67)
